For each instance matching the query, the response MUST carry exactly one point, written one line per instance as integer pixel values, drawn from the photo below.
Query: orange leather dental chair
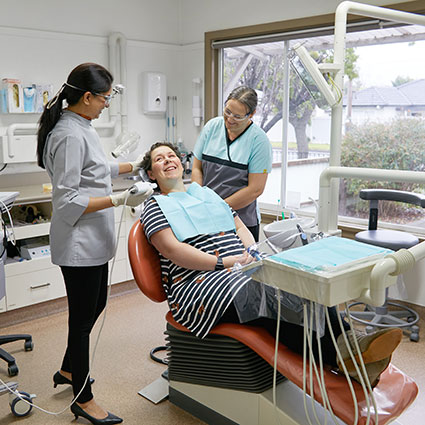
(226, 378)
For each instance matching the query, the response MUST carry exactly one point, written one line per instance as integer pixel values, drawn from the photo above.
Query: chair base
(156, 391)
(381, 317)
(220, 406)
(12, 368)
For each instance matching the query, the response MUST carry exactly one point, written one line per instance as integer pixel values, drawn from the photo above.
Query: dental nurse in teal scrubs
(233, 156)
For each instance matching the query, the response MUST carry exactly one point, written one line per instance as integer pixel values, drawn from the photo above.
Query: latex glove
(133, 200)
(136, 165)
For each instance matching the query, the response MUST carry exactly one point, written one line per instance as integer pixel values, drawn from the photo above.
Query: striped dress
(197, 299)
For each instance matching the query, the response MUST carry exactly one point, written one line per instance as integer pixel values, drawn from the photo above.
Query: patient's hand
(242, 259)
(245, 258)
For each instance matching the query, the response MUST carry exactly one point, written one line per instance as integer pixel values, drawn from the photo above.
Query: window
(384, 114)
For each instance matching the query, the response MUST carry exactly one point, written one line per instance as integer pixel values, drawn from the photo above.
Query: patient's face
(166, 165)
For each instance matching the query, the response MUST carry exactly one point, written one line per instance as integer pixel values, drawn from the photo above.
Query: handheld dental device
(141, 187)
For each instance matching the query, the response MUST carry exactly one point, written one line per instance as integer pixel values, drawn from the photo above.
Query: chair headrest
(145, 264)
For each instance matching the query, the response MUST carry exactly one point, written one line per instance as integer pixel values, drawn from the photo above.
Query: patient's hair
(147, 159)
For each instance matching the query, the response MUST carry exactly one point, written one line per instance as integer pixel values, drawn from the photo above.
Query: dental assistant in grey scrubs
(82, 230)
(233, 156)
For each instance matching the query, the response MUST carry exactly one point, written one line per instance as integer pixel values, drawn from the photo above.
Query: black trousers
(292, 335)
(255, 230)
(86, 289)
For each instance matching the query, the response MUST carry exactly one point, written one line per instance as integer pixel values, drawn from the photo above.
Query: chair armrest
(393, 195)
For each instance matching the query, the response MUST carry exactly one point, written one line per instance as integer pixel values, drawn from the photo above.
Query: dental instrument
(141, 187)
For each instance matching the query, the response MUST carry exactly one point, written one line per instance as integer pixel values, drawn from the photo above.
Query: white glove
(136, 165)
(133, 200)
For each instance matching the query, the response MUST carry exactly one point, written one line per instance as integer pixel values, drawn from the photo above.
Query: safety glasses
(118, 89)
(229, 114)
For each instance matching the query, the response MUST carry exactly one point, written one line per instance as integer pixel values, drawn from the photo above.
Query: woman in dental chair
(199, 239)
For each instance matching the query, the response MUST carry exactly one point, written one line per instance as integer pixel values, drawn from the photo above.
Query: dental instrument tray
(330, 271)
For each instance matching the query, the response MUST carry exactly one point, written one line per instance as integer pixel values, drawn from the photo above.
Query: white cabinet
(32, 282)
(37, 280)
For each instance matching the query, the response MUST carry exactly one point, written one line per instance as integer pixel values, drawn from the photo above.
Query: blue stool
(399, 316)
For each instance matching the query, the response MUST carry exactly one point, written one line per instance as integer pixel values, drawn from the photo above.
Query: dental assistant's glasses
(227, 113)
(118, 89)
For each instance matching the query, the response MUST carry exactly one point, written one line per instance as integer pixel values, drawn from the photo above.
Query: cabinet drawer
(32, 230)
(37, 287)
(28, 266)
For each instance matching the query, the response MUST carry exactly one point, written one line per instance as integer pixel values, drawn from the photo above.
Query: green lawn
(311, 146)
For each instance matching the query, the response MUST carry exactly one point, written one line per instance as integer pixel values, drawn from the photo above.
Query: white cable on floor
(16, 393)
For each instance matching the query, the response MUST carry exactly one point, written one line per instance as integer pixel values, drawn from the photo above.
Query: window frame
(211, 53)
(314, 24)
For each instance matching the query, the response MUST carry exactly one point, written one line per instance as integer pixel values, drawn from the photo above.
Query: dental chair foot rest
(393, 394)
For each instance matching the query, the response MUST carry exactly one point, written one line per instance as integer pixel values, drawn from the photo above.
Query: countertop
(34, 193)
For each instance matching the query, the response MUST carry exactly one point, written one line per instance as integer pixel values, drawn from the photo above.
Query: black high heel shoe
(109, 420)
(59, 379)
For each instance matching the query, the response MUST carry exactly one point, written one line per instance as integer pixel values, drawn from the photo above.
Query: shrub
(395, 145)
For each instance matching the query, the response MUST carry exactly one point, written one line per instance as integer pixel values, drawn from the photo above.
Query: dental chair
(226, 378)
(399, 315)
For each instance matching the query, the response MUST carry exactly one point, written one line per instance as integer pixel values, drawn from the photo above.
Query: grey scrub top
(78, 169)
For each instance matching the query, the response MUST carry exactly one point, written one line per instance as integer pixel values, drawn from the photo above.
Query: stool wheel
(414, 337)
(19, 407)
(12, 370)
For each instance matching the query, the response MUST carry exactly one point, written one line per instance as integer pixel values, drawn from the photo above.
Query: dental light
(118, 89)
(311, 75)
(126, 142)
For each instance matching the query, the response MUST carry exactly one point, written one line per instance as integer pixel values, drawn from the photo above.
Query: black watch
(219, 265)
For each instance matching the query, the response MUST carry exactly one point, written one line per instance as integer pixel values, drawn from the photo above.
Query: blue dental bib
(198, 211)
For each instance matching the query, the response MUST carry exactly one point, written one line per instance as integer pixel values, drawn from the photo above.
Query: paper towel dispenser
(154, 93)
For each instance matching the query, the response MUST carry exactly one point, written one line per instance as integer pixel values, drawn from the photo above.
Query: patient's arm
(187, 256)
(244, 234)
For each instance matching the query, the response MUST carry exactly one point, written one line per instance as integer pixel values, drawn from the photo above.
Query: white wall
(143, 20)
(211, 15)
